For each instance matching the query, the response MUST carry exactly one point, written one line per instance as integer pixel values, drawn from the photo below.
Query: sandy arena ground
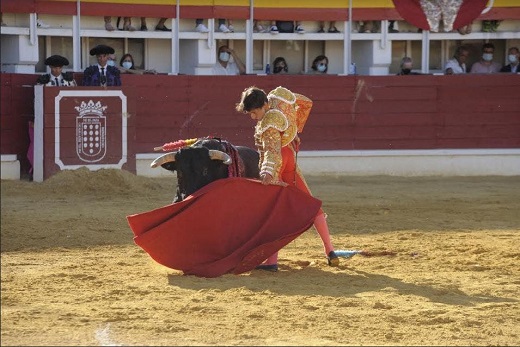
(71, 274)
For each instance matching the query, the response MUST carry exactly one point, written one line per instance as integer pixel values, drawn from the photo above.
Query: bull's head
(196, 167)
(170, 158)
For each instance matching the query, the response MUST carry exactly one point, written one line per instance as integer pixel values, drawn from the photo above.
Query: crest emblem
(91, 131)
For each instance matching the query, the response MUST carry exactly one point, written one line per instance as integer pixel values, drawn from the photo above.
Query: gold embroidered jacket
(280, 127)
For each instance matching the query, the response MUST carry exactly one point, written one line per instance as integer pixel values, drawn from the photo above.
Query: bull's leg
(178, 195)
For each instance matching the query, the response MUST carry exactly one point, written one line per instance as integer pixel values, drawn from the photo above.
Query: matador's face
(259, 113)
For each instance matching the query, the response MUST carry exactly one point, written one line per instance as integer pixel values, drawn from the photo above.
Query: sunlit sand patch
(103, 337)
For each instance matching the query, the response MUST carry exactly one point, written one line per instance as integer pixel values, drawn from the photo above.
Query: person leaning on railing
(457, 65)
(224, 65)
(127, 65)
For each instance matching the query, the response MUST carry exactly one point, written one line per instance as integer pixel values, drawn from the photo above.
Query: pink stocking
(273, 259)
(323, 229)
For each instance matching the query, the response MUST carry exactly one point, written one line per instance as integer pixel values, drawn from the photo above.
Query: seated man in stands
(486, 63)
(457, 65)
(57, 77)
(406, 67)
(224, 66)
(102, 74)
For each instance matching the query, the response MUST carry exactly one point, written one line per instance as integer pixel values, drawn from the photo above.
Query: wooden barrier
(82, 127)
(350, 113)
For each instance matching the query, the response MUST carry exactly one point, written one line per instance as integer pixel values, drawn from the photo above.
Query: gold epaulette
(282, 94)
(273, 119)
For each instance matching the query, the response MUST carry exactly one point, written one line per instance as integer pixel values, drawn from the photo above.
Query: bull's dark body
(195, 168)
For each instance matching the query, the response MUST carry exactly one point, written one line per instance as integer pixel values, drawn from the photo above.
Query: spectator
(286, 27)
(332, 27)
(57, 77)
(320, 65)
(486, 64)
(127, 25)
(457, 65)
(258, 27)
(111, 60)
(406, 67)
(127, 65)
(159, 27)
(280, 66)
(101, 74)
(224, 66)
(201, 28)
(513, 57)
(369, 26)
(392, 26)
(280, 116)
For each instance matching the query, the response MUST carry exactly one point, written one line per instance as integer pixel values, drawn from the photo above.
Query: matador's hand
(268, 179)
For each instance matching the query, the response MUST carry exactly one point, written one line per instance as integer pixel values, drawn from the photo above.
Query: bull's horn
(163, 159)
(214, 154)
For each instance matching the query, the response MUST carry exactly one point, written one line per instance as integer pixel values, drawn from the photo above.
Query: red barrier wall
(16, 110)
(349, 113)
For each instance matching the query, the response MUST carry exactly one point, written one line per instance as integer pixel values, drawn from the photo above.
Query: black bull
(204, 162)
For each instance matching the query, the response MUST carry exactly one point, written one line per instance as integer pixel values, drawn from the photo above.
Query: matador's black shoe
(332, 259)
(270, 267)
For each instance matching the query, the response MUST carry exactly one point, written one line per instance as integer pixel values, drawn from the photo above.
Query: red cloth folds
(412, 12)
(229, 226)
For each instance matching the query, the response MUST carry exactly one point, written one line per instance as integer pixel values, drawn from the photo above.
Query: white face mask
(512, 58)
(111, 63)
(322, 67)
(224, 56)
(127, 64)
(487, 56)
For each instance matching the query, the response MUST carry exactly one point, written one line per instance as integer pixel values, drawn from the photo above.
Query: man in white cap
(57, 77)
(102, 74)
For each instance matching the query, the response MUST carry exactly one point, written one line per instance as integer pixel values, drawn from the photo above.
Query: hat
(56, 60)
(102, 49)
